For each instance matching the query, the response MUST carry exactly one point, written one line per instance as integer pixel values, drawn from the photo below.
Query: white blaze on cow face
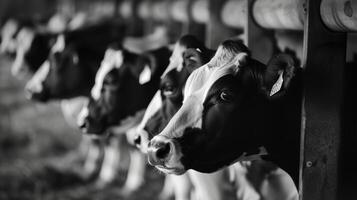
(24, 41)
(7, 33)
(112, 59)
(59, 45)
(83, 114)
(35, 85)
(176, 60)
(145, 75)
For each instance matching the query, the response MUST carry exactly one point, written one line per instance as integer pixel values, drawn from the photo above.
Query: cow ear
(145, 75)
(278, 75)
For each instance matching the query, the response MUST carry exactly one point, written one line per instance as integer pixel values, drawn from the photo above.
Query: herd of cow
(206, 118)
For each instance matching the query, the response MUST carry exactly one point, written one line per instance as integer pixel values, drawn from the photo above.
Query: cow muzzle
(164, 154)
(159, 151)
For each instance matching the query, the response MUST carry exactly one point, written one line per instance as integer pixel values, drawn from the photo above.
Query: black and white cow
(70, 68)
(124, 84)
(189, 54)
(234, 109)
(33, 46)
(68, 75)
(252, 179)
(169, 99)
(124, 89)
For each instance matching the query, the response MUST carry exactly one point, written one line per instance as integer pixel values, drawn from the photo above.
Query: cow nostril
(83, 124)
(163, 151)
(137, 140)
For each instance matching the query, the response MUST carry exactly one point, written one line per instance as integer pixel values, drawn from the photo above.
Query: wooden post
(323, 59)
(192, 27)
(257, 38)
(216, 31)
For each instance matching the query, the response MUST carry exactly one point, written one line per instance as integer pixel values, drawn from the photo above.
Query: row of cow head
(209, 108)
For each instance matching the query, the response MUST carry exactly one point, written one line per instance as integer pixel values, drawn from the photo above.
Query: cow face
(171, 95)
(8, 40)
(65, 74)
(229, 112)
(32, 50)
(128, 85)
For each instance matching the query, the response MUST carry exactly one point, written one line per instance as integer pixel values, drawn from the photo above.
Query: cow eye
(225, 96)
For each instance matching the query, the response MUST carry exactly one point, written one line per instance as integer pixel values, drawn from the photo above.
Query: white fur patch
(277, 85)
(112, 59)
(59, 45)
(7, 32)
(83, 114)
(36, 82)
(201, 80)
(176, 60)
(71, 109)
(110, 163)
(145, 75)
(24, 40)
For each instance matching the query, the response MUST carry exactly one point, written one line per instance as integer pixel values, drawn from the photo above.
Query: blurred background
(39, 151)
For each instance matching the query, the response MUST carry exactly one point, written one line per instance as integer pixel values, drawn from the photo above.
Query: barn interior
(45, 155)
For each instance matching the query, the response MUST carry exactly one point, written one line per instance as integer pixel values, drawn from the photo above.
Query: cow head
(124, 85)
(32, 50)
(232, 107)
(8, 41)
(68, 72)
(165, 105)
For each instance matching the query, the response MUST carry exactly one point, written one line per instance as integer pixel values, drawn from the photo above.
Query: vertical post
(257, 38)
(192, 27)
(216, 31)
(323, 59)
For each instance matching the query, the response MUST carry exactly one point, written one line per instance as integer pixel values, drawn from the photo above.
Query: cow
(126, 89)
(189, 53)
(170, 96)
(10, 30)
(121, 73)
(68, 75)
(231, 109)
(70, 68)
(33, 46)
(241, 173)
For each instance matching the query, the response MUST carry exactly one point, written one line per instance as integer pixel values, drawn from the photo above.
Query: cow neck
(283, 145)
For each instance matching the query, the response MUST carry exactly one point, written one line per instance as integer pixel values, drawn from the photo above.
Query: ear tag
(277, 85)
(199, 50)
(145, 75)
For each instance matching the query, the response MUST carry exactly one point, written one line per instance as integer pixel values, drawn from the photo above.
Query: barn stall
(43, 156)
